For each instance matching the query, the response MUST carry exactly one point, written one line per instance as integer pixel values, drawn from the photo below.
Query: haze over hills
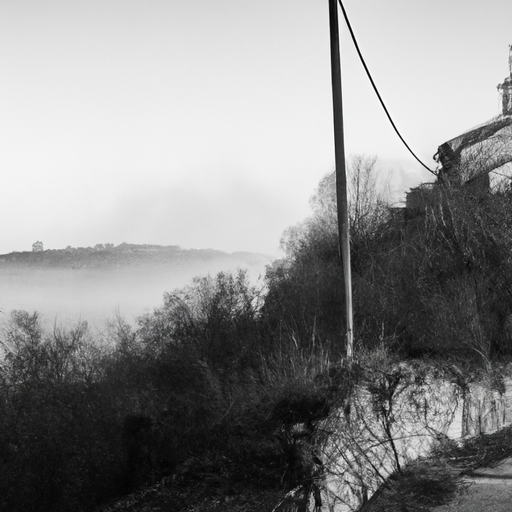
(96, 283)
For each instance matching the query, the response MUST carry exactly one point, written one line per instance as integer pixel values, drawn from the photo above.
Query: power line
(354, 40)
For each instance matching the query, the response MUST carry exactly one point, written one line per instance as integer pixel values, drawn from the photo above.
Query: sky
(208, 124)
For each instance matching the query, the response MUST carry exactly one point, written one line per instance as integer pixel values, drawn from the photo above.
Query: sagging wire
(361, 58)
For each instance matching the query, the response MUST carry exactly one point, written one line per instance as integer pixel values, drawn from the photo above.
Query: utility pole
(341, 172)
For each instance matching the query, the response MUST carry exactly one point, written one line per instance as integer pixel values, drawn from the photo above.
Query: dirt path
(486, 489)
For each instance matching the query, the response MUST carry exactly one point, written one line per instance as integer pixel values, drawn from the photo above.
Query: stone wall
(389, 427)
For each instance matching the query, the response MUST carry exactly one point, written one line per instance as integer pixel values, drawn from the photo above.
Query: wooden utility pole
(341, 172)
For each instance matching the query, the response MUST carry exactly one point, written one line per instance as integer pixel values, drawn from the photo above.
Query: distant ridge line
(108, 255)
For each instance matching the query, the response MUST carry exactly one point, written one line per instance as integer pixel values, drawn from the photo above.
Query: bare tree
(368, 197)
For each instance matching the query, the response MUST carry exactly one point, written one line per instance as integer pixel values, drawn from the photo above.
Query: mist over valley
(95, 284)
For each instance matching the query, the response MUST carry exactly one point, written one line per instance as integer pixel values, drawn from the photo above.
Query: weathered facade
(481, 155)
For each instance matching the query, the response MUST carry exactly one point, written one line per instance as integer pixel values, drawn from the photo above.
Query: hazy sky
(208, 123)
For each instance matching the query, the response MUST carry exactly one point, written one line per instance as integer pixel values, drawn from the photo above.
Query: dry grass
(485, 450)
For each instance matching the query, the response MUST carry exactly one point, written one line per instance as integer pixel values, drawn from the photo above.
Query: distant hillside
(94, 283)
(108, 255)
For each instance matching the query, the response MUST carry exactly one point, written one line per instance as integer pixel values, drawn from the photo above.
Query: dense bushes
(58, 438)
(446, 275)
(214, 320)
(194, 389)
(435, 280)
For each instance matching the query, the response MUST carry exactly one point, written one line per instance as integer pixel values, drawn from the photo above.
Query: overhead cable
(377, 91)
